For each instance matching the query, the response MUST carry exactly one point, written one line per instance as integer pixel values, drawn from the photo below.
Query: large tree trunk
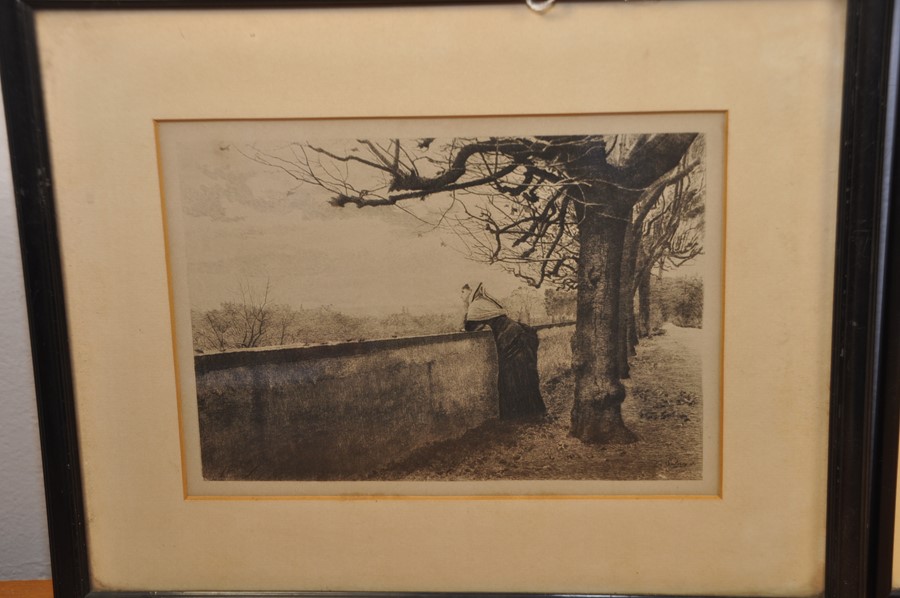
(606, 210)
(599, 393)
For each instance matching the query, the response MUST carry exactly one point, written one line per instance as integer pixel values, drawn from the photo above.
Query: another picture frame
(864, 400)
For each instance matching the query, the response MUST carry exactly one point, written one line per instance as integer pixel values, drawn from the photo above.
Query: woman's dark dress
(517, 384)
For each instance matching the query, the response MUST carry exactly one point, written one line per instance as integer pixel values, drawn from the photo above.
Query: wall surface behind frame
(24, 552)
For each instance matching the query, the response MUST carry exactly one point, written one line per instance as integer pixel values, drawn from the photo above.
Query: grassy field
(663, 407)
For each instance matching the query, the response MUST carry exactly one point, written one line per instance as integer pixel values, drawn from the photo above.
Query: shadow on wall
(338, 412)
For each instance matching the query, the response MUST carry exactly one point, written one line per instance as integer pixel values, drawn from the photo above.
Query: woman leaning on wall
(518, 386)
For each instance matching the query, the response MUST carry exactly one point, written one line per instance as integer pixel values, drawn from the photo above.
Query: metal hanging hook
(540, 6)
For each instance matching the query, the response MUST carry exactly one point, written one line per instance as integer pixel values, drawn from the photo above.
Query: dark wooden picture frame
(865, 396)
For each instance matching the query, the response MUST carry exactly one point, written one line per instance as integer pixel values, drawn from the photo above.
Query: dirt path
(663, 407)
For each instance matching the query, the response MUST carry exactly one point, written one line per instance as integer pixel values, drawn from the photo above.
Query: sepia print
(524, 305)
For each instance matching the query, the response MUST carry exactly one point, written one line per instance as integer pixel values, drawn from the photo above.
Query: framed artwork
(434, 297)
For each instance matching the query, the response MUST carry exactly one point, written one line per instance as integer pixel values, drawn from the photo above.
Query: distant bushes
(677, 300)
(256, 322)
(235, 326)
(560, 304)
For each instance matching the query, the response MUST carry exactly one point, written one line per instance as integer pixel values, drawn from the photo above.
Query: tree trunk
(644, 304)
(599, 393)
(626, 297)
(633, 339)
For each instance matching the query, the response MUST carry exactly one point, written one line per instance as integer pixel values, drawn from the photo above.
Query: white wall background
(24, 551)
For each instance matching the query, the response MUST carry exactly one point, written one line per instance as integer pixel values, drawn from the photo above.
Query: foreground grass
(663, 407)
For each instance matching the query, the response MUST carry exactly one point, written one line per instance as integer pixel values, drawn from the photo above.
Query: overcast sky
(247, 224)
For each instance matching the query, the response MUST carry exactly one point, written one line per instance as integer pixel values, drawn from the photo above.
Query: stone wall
(341, 411)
